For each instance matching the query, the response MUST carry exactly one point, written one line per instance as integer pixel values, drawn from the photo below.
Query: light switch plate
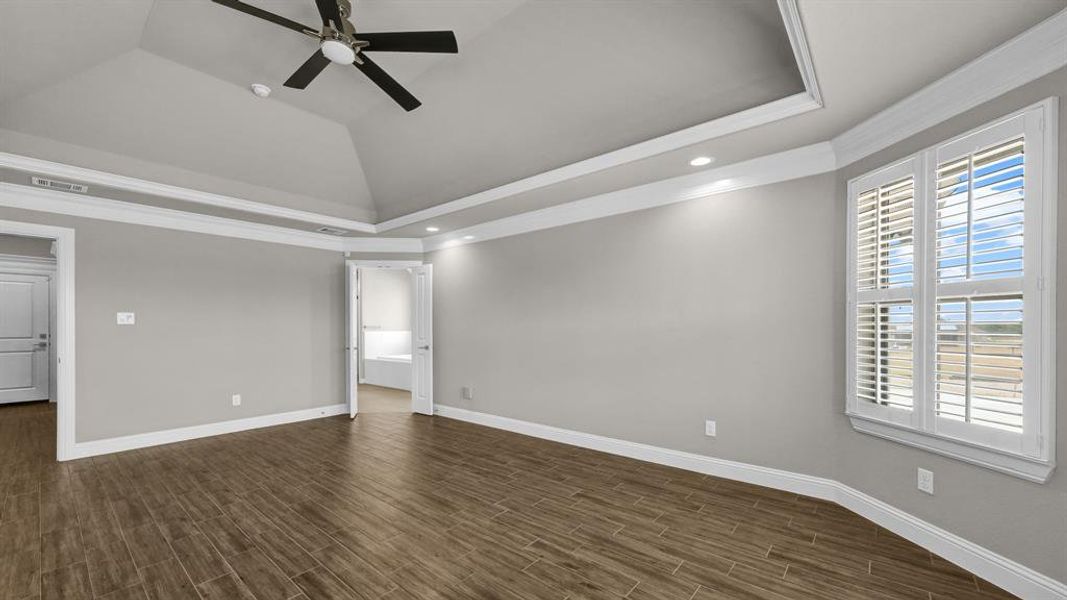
(125, 318)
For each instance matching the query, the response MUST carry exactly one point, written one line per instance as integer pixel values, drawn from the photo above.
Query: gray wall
(641, 326)
(18, 245)
(386, 299)
(215, 316)
(1024, 521)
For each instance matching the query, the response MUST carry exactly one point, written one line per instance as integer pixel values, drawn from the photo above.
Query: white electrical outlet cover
(236, 399)
(125, 318)
(709, 428)
(926, 481)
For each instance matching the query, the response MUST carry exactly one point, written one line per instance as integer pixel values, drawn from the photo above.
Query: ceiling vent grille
(62, 186)
(331, 231)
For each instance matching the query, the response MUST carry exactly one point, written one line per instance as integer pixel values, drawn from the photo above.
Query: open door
(422, 340)
(352, 338)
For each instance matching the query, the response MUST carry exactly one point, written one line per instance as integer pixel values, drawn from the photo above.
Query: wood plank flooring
(403, 507)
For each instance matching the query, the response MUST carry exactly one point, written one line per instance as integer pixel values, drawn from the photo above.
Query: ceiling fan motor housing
(338, 51)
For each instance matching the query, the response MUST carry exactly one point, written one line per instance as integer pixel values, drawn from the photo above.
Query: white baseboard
(1008, 574)
(181, 434)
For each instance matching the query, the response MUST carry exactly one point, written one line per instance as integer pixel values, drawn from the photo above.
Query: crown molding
(92, 207)
(773, 168)
(48, 168)
(746, 119)
(798, 39)
(1026, 57)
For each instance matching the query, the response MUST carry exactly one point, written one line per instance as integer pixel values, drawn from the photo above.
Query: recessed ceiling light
(468, 237)
(700, 161)
(433, 229)
(260, 90)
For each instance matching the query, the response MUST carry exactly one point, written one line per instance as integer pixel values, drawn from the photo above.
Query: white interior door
(23, 338)
(422, 340)
(352, 339)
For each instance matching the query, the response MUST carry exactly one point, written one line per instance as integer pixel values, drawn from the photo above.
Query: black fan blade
(388, 84)
(273, 18)
(307, 71)
(410, 41)
(330, 12)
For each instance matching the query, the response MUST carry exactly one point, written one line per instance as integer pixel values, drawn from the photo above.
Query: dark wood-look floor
(404, 507)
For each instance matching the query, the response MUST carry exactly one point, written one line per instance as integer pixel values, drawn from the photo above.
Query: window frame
(1031, 453)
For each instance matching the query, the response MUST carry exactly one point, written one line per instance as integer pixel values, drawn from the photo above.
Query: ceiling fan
(340, 43)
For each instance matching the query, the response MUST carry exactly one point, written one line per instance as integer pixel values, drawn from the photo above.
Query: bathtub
(388, 370)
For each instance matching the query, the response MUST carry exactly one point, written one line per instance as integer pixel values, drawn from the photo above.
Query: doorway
(390, 331)
(36, 333)
(27, 315)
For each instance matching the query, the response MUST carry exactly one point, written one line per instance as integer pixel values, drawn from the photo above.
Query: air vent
(331, 231)
(62, 186)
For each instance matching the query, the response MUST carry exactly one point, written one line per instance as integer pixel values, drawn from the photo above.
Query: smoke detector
(260, 90)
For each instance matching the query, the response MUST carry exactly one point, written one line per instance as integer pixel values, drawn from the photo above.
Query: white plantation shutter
(950, 322)
(883, 320)
(980, 239)
(884, 355)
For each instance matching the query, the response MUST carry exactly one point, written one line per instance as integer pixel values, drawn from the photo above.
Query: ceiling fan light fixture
(338, 52)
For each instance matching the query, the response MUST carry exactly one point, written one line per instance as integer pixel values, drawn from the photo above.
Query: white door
(422, 341)
(352, 339)
(23, 338)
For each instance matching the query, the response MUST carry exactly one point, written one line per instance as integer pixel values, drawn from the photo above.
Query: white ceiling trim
(796, 104)
(92, 207)
(773, 168)
(794, 27)
(753, 117)
(1030, 55)
(132, 184)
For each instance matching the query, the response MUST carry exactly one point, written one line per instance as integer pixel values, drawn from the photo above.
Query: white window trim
(920, 428)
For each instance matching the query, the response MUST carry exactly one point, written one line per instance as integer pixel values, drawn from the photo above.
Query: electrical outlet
(926, 481)
(236, 399)
(125, 318)
(709, 428)
(468, 393)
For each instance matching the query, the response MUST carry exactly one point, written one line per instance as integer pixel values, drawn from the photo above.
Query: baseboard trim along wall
(1006, 573)
(181, 434)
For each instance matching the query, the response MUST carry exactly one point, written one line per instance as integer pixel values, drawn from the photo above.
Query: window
(950, 300)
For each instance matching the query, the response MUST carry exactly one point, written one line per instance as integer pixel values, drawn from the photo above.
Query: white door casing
(422, 340)
(24, 337)
(352, 339)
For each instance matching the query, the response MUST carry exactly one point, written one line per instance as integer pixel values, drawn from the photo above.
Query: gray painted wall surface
(386, 298)
(1024, 521)
(642, 326)
(215, 316)
(17, 245)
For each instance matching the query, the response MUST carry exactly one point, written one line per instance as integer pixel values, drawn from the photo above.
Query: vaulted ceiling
(160, 90)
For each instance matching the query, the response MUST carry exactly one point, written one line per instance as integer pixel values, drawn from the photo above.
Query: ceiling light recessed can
(700, 161)
(468, 237)
(433, 229)
(260, 90)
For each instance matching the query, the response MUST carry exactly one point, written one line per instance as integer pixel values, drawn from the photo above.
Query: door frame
(63, 338)
(353, 318)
